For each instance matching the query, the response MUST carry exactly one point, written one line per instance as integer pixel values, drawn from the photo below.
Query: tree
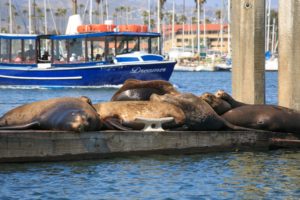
(98, 9)
(145, 15)
(81, 6)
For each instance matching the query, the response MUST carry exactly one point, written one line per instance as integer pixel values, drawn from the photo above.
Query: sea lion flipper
(115, 124)
(21, 127)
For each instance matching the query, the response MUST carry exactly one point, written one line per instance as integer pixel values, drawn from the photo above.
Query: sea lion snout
(80, 122)
(220, 93)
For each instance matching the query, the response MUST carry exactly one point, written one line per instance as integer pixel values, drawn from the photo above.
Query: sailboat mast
(173, 24)
(268, 25)
(158, 21)
(204, 25)
(29, 17)
(106, 6)
(91, 11)
(10, 17)
(149, 14)
(198, 27)
(229, 29)
(45, 11)
(222, 26)
(183, 24)
(273, 36)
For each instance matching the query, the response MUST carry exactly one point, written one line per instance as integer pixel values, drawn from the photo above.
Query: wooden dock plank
(27, 146)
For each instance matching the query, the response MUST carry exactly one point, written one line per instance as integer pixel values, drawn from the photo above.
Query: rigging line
(86, 5)
(52, 16)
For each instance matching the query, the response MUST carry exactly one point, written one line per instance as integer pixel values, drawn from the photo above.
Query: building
(189, 37)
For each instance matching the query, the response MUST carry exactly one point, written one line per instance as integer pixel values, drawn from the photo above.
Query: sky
(214, 2)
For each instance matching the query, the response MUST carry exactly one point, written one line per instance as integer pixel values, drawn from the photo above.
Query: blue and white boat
(81, 60)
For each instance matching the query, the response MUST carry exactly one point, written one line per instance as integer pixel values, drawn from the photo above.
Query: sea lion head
(78, 121)
(223, 95)
(86, 99)
(219, 105)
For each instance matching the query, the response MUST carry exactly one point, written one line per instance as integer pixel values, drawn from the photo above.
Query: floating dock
(36, 146)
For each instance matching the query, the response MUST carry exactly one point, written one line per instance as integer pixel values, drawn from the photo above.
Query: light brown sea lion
(65, 114)
(122, 114)
(265, 117)
(199, 115)
(226, 97)
(137, 90)
(219, 105)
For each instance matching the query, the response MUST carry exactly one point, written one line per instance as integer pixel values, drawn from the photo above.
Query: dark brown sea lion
(65, 114)
(122, 114)
(226, 97)
(219, 105)
(265, 117)
(199, 115)
(137, 90)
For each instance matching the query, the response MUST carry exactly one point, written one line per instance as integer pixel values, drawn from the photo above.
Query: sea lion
(219, 105)
(226, 97)
(65, 114)
(122, 114)
(137, 90)
(265, 117)
(199, 116)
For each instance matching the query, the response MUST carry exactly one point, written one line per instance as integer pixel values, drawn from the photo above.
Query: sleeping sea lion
(136, 90)
(226, 97)
(64, 114)
(199, 116)
(219, 105)
(122, 114)
(265, 117)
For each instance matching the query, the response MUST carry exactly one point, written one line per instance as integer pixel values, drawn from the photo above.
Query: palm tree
(74, 7)
(117, 10)
(98, 9)
(160, 16)
(81, 6)
(218, 14)
(145, 15)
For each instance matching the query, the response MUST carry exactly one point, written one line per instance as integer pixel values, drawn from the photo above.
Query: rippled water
(235, 175)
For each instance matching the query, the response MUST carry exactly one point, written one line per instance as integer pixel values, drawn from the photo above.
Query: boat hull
(93, 74)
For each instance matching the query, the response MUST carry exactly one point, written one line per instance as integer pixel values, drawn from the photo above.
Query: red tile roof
(178, 27)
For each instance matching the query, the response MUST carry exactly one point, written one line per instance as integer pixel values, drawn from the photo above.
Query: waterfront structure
(212, 34)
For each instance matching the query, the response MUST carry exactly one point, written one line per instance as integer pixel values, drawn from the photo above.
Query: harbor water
(234, 175)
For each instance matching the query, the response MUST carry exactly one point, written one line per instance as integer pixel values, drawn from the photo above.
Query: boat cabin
(56, 50)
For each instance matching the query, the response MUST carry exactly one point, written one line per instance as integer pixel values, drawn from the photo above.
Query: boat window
(5, 51)
(110, 50)
(121, 45)
(76, 50)
(154, 45)
(144, 44)
(29, 51)
(17, 53)
(96, 49)
(44, 50)
(60, 51)
(133, 44)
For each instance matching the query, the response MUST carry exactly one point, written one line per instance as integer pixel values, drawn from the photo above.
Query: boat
(84, 59)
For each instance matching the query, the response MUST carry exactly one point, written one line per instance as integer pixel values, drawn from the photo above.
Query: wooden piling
(248, 52)
(289, 54)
